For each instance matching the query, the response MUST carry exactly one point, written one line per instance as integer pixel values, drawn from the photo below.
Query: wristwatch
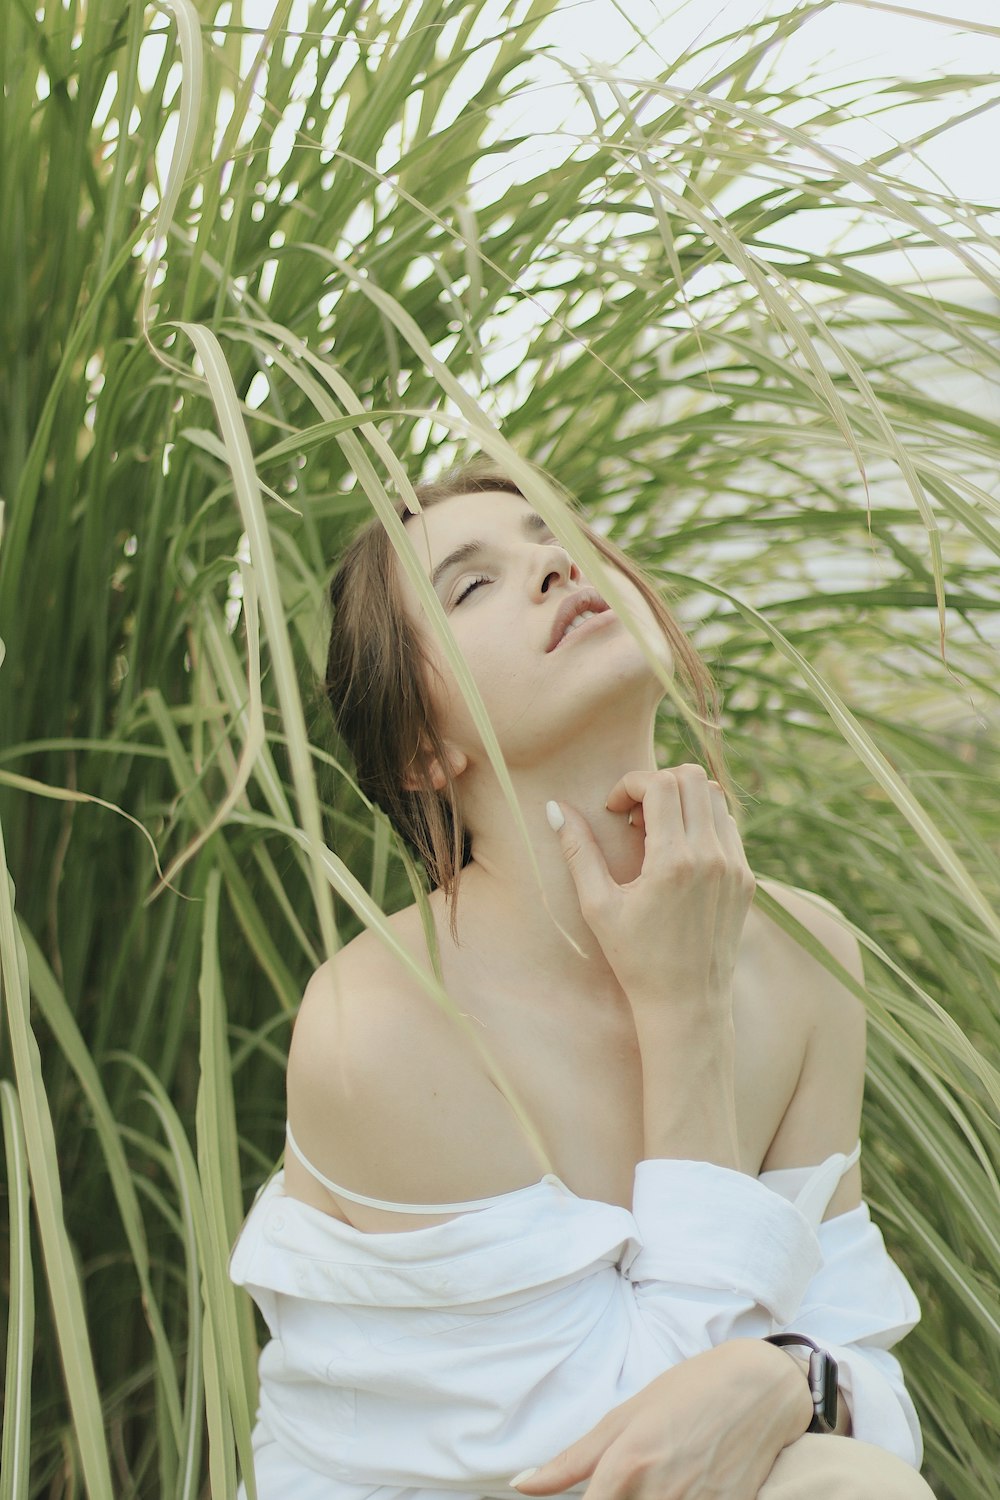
(822, 1379)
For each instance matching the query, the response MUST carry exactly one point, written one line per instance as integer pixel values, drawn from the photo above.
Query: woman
(685, 1076)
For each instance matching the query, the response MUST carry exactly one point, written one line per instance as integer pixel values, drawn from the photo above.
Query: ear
(428, 770)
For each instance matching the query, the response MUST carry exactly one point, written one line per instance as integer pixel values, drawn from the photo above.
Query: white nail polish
(556, 821)
(526, 1473)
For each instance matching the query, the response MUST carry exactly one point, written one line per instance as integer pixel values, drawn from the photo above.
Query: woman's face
(507, 588)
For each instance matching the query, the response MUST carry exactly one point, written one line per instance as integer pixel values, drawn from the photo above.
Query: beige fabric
(822, 1467)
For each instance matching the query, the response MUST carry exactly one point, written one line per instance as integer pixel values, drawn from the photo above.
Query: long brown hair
(377, 671)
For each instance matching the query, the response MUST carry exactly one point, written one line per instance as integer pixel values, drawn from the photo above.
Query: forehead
(461, 518)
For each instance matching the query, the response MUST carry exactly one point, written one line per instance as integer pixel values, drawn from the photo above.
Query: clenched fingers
(689, 781)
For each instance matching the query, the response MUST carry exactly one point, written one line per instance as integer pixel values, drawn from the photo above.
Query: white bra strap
(399, 1208)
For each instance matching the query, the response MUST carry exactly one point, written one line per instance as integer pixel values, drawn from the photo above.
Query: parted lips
(575, 604)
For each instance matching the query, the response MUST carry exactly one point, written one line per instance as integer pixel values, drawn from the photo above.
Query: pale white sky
(638, 39)
(847, 42)
(850, 40)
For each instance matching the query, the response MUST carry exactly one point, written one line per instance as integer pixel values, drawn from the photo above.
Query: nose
(556, 566)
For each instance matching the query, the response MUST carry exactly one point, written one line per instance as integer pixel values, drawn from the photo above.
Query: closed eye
(473, 585)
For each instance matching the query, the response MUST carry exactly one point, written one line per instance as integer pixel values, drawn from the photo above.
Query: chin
(641, 617)
(652, 637)
(629, 685)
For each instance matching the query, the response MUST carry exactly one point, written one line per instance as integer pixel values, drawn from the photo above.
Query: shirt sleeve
(857, 1306)
(723, 1256)
(715, 1245)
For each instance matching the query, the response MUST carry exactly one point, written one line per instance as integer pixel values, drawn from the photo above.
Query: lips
(573, 605)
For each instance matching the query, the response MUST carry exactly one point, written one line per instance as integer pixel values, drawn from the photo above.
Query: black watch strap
(822, 1379)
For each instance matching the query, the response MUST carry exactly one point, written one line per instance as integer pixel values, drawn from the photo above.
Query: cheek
(491, 668)
(443, 694)
(441, 691)
(505, 690)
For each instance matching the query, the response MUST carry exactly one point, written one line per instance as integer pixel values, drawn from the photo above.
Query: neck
(509, 924)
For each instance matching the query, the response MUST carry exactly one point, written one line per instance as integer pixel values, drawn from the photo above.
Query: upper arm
(824, 1114)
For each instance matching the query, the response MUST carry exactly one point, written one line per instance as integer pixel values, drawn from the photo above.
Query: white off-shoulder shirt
(446, 1359)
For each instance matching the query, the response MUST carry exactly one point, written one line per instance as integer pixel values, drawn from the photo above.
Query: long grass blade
(61, 1273)
(15, 1453)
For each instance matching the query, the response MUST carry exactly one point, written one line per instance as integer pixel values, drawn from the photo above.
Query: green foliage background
(252, 279)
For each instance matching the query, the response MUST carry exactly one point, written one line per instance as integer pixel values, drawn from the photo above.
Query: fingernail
(556, 821)
(527, 1473)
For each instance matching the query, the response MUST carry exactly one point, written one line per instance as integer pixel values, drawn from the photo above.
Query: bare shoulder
(348, 1004)
(382, 1083)
(822, 919)
(359, 1032)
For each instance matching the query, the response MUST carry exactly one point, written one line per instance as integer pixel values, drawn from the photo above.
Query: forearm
(786, 1389)
(688, 1080)
(722, 1418)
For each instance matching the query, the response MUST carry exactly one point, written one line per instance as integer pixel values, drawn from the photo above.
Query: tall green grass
(253, 281)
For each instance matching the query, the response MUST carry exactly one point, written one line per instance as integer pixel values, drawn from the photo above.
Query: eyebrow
(531, 524)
